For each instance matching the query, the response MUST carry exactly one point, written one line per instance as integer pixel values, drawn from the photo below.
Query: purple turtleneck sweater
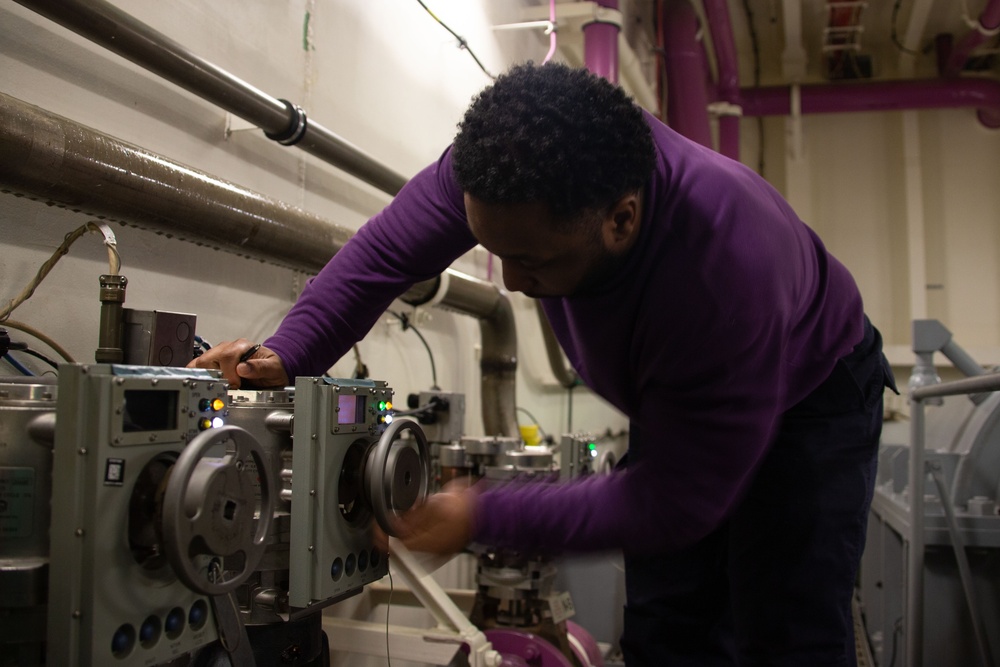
(728, 311)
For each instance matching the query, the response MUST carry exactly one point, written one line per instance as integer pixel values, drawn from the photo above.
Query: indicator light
(387, 419)
(218, 422)
(213, 404)
(204, 424)
(388, 405)
(593, 453)
(218, 404)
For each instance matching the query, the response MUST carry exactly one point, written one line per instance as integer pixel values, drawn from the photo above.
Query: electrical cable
(360, 369)
(114, 262)
(17, 365)
(40, 357)
(406, 325)
(21, 326)
(462, 43)
(894, 36)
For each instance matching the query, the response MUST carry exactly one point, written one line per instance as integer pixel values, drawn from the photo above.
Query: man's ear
(620, 228)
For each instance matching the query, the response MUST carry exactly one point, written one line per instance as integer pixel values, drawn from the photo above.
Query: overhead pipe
(985, 27)
(600, 41)
(728, 85)
(686, 72)
(54, 160)
(281, 120)
(981, 94)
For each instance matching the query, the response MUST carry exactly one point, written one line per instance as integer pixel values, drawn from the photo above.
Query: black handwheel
(208, 508)
(397, 477)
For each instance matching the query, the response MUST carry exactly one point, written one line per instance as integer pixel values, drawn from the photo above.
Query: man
(687, 293)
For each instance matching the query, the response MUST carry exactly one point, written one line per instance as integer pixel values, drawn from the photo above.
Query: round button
(337, 569)
(174, 624)
(198, 615)
(123, 641)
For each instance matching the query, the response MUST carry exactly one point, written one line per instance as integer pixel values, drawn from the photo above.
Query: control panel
(157, 509)
(354, 465)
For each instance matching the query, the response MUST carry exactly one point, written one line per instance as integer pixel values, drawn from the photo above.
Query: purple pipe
(728, 87)
(988, 20)
(600, 46)
(983, 94)
(686, 72)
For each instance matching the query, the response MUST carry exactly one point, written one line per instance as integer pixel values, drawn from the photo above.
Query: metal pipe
(914, 623)
(51, 159)
(117, 31)
(728, 86)
(600, 42)
(565, 375)
(982, 94)
(687, 78)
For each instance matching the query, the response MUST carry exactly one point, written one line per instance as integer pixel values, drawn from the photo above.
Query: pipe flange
(297, 124)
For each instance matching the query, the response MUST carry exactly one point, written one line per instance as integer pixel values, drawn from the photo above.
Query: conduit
(981, 94)
(51, 159)
(600, 41)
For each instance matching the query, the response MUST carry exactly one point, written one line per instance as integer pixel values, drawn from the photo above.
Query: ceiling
(879, 52)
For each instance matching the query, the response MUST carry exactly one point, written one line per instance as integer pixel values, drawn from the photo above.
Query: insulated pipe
(51, 159)
(983, 94)
(108, 26)
(684, 66)
(728, 86)
(986, 26)
(600, 43)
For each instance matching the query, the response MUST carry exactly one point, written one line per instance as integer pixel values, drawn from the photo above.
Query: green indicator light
(591, 446)
(381, 405)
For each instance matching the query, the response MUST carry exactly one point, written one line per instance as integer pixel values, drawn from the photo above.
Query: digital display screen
(351, 409)
(149, 410)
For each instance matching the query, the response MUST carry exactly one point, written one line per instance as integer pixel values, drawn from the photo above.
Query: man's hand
(262, 369)
(441, 525)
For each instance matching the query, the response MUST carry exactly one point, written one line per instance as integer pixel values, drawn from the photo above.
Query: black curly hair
(553, 134)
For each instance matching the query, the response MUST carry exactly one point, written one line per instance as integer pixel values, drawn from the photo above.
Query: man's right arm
(416, 237)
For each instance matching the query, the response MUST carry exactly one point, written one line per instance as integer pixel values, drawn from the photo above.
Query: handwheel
(397, 478)
(208, 508)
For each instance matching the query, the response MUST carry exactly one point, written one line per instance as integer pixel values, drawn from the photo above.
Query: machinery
(176, 528)
(947, 547)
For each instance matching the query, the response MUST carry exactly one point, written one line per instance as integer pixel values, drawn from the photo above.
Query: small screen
(149, 410)
(352, 409)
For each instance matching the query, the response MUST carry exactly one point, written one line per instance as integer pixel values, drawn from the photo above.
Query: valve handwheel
(397, 477)
(208, 508)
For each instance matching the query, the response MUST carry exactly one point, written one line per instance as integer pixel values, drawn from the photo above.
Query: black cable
(40, 356)
(462, 43)
(894, 36)
(756, 83)
(406, 325)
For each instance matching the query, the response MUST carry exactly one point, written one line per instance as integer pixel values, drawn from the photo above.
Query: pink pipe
(686, 72)
(983, 94)
(728, 87)
(600, 46)
(988, 20)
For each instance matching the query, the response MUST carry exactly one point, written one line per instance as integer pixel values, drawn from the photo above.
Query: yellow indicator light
(204, 424)
(218, 404)
(388, 405)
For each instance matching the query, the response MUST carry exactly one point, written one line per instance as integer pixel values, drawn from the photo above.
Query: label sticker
(17, 502)
(114, 472)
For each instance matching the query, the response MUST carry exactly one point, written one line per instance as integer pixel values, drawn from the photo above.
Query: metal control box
(113, 598)
(337, 425)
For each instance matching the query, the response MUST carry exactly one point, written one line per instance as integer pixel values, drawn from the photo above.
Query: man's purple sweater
(728, 311)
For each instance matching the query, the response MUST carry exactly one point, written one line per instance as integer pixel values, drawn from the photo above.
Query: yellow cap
(531, 435)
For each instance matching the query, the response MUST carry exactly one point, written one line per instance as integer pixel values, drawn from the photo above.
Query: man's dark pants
(773, 585)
